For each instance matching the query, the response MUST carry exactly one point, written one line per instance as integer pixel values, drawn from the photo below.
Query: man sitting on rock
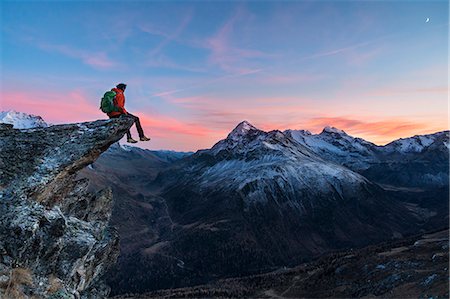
(119, 102)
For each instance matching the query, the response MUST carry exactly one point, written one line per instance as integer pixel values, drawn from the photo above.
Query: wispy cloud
(235, 61)
(160, 125)
(396, 91)
(225, 54)
(294, 113)
(156, 57)
(172, 36)
(221, 113)
(98, 60)
(34, 38)
(162, 61)
(267, 77)
(205, 83)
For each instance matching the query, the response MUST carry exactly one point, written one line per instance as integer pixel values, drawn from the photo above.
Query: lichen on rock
(53, 232)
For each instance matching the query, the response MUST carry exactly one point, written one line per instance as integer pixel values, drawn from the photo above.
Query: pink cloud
(396, 91)
(75, 106)
(270, 78)
(436, 89)
(161, 124)
(54, 107)
(272, 113)
(206, 120)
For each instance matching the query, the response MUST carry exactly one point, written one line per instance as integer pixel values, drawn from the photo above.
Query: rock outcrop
(55, 241)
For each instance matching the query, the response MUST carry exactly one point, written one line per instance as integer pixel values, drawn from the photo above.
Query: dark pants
(136, 121)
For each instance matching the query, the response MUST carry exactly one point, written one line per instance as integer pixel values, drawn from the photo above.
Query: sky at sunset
(195, 69)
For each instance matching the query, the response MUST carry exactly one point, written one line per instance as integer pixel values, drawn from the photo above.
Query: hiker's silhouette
(119, 102)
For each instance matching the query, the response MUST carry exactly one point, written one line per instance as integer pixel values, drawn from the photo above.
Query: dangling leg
(139, 128)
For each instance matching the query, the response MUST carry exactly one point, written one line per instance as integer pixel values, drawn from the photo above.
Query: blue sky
(194, 69)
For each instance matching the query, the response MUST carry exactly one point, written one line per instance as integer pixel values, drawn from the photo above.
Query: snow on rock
(248, 141)
(383, 163)
(335, 145)
(329, 129)
(241, 130)
(415, 144)
(125, 147)
(22, 120)
(258, 164)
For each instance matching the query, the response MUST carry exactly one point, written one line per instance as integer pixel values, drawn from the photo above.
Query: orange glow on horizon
(171, 133)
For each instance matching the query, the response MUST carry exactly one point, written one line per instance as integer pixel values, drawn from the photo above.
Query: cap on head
(121, 86)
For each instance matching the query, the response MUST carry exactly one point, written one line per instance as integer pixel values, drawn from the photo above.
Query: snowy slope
(270, 165)
(336, 145)
(415, 144)
(261, 198)
(21, 120)
(421, 160)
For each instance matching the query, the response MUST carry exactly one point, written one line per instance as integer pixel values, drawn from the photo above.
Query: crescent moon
(428, 19)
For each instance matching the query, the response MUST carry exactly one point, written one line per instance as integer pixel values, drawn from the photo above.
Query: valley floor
(416, 267)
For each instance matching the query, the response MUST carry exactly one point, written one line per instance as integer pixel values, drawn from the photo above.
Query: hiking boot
(144, 138)
(131, 140)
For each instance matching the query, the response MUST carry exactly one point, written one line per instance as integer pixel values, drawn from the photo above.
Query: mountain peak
(329, 129)
(22, 120)
(242, 129)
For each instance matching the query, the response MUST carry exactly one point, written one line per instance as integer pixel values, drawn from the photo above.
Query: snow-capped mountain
(417, 161)
(335, 145)
(259, 164)
(21, 120)
(246, 140)
(254, 200)
(417, 143)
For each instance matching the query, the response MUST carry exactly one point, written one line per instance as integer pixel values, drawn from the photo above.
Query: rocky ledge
(55, 241)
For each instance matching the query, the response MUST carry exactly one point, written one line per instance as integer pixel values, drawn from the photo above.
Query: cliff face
(54, 235)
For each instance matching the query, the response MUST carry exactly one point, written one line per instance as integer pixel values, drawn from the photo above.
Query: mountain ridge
(16, 116)
(255, 201)
(249, 199)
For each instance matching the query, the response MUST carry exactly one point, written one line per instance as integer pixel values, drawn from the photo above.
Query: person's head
(121, 86)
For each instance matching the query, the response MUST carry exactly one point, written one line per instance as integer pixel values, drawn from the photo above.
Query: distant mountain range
(258, 201)
(416, 161)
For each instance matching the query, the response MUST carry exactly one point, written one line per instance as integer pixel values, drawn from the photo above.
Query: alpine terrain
(260, 214)
(257, 201)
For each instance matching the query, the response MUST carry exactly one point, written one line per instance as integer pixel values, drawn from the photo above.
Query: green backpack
(107, 103)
